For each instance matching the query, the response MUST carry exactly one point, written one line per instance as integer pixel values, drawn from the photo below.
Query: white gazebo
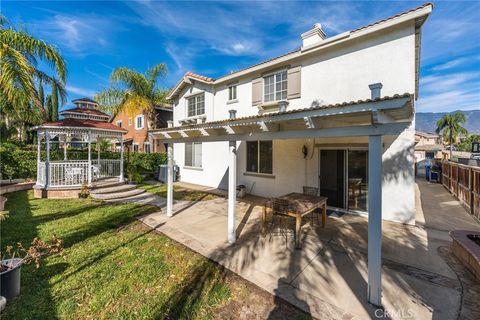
(83, 125)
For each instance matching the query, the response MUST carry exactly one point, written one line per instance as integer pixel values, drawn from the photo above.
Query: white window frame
(121, 123)
(136, 122)
(130, 121)
(193, 160)
(196, 107)
(275, 82)
(135, 145)
(145, 144)
(232, 93)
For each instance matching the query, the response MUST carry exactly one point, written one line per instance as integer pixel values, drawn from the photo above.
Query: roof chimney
(313, 36)
(375, 89)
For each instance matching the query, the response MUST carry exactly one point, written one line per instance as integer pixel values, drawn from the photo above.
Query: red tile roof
(395, 16)
(86, 111)
(83, 123)
(200, 77)
(85, 99)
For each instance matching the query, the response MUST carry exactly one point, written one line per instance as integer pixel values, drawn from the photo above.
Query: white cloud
(446, 82)
(80, 91)
(79, 35)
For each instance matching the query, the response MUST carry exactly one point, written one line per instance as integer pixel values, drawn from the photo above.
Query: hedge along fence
(16, 163)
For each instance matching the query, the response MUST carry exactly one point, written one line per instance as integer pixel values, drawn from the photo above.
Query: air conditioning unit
(163, 172)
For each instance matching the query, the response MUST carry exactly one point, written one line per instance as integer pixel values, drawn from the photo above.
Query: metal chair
(313, 191)
(280, 216)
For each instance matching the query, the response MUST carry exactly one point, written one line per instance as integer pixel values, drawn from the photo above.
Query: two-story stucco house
(337, 114)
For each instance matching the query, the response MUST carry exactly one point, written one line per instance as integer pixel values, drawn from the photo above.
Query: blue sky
(214, 38)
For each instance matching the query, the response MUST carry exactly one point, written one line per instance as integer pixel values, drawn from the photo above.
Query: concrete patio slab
(328, 276)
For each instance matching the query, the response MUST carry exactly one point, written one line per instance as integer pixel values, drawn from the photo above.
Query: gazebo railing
(41, 174)
(107, 168)
(68, 173)
(74, 173)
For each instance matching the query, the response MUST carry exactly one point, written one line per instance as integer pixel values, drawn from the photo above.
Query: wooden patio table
(300, 205)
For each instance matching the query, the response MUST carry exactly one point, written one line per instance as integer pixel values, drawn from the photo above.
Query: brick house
(137, 138)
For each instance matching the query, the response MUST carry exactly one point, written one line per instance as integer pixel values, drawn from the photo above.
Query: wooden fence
(464, 183)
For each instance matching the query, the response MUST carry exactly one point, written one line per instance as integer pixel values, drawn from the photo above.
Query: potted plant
(10, 266)
(84, 192)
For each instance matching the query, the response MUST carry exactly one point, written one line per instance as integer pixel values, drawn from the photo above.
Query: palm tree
(20, 54)
(138, 91)
(451, 126)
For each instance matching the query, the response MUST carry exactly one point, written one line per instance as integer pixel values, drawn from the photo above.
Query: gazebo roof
(86, 111)
(80, 128)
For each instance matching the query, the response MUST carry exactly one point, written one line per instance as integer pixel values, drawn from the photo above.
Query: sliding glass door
(332, 177)
(357, 179)
(343, 178)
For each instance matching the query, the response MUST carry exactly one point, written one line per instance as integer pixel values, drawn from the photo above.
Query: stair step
(117, 195)
(100, 185)
(114, 189)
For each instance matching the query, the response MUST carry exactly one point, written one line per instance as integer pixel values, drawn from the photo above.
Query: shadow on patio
(327, 278)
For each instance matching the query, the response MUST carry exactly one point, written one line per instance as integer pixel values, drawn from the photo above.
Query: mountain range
(427, 121)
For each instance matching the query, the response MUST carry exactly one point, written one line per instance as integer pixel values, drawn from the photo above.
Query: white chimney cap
(313, 36)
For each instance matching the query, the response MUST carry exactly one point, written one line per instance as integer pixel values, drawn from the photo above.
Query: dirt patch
(248, 301)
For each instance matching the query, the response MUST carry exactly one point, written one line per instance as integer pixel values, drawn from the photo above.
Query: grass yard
(114, 267)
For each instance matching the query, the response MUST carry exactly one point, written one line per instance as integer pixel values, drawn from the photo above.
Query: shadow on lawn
(35, 300)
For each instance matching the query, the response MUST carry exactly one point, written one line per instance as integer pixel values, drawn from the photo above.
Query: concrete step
(114, 189)
(117, 195)
(107, 184)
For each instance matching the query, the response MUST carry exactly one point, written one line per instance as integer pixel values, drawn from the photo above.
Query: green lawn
(113, 267)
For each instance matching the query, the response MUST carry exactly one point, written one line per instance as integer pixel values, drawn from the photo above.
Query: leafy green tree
(41, 95)
(131, 91)
(450, 125)
(48, 108)
(54, 102)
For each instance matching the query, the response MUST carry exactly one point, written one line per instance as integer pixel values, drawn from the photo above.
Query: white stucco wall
(333, 76)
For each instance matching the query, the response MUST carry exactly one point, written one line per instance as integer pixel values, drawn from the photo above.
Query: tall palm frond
(20, 53)
(450, 125)
(136, 91)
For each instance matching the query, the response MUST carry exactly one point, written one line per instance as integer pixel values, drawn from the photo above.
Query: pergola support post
(170, 180)
(232, 190)
(121, 178)
(375, 177)
(47, 159)
(89, 158)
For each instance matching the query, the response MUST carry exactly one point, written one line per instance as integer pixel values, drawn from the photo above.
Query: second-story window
(232, 93)
(119, 124)
(275, 87)
(139, 122)
(196, 105)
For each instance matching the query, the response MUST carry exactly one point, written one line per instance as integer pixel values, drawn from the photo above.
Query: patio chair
(313, 191)
(280, 217)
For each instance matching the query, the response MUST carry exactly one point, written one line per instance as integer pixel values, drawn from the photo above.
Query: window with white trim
(129, 121)
(232, 92)
(193, 154)
(139, 121)
(275, 86)
(260, 156)
(135, 147)
(147, 148)
(196, 105)
(119, 124)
